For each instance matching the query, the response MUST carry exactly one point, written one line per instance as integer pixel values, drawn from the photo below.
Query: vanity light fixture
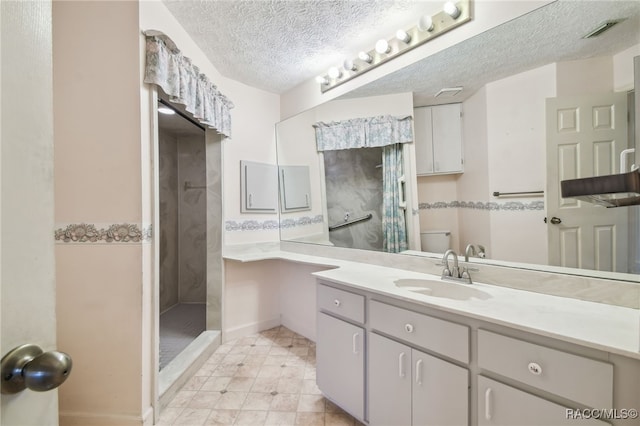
(382, 46)
(403, 36)
(451, 9)
(364, 56)
(428, 27)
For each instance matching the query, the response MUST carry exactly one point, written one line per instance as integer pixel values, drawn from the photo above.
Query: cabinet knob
(337, 302)
(535, 368)
(408, 328)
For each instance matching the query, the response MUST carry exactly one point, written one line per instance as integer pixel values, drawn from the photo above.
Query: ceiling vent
(602, 28)
(448, 92)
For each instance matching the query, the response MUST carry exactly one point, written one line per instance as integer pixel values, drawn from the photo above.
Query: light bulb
(321, 80)
(451, 9)
(382, 46)
(334, 72)
(166, 110)
(403, 36)
(425, 23)
(364, 56)
(349, 65)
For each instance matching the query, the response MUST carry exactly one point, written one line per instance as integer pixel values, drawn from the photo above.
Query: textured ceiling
(277, 44)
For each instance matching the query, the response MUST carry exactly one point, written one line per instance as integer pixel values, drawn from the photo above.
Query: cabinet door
(389, 382)
(502, 405)
(340, 363)
(447, 138)
(423, 140)
(440, 392)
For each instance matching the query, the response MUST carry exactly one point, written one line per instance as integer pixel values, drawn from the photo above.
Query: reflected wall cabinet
(295, 188)
(438, 139)
(259, 187)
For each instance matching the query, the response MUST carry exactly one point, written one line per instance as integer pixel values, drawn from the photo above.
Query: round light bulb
(334, 72)
(382, 46)
(451, 9)
(403, 36)
(166, 110)
(349, 65)
(321, 80)
(425, 23)
(364, 56)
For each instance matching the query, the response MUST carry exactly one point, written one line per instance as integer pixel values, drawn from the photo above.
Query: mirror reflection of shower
(182, 232)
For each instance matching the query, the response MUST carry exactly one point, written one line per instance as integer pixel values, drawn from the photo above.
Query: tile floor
(265, 379)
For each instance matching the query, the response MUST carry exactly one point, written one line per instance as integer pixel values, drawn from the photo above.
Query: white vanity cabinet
(410, 387)
(438, 139)
(340, 349)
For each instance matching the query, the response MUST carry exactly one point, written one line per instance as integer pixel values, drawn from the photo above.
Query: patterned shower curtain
(394, 228)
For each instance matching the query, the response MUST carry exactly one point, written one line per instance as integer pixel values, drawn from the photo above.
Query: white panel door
(389, 382)
(447, 138)
(27, 257)
(585, 136)
(340, 363)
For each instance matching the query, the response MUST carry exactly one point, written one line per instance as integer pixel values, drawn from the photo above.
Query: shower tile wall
(214, 231)
(182, 220)
(354, 185)
(168, 163)
(192, 226)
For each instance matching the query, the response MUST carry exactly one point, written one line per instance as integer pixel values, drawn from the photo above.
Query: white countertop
(600, 326)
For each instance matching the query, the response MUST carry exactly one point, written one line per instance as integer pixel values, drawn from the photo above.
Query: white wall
(623, 68)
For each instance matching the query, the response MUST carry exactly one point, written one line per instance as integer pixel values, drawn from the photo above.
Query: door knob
(28, 366)
(554, 220)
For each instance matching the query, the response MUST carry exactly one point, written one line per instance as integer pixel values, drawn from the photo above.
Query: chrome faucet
(454, 274)
(479, 251)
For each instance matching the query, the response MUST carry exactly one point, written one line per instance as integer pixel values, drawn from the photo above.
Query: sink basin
(442, 289)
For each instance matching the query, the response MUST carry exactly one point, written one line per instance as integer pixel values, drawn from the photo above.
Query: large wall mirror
(526, 85)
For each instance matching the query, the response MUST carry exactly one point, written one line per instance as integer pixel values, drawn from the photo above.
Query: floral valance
(183, 82)
(366, 132)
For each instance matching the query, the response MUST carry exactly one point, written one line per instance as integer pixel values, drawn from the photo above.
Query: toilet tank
(435, 241)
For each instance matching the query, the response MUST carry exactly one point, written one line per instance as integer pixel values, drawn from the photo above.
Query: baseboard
(76, 418)
(249, 329)
(300, 327)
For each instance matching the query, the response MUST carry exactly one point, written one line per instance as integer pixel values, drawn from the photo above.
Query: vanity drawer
(574, 377)
(340, 302)
(443, 337)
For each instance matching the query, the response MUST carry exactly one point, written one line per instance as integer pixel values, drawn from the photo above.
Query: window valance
(183, 82)
(366, 132)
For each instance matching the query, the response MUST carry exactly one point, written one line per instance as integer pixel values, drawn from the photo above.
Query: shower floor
(179, 325)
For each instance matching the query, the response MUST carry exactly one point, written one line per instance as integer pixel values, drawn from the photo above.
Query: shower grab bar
(511, 194)
(351, 222)
(188, 186)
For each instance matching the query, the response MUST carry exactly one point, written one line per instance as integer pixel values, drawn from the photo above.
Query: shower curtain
(394, 229)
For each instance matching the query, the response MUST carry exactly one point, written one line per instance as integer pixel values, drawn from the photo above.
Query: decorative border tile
(271, 224)
(479, 205)
(106, 233)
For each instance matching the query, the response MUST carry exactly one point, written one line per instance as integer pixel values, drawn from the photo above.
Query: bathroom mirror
(507, 74)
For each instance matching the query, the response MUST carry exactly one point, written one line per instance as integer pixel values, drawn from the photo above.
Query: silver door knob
(28, 366)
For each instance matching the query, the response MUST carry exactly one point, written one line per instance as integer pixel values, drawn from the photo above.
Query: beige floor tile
(222, 417)
(301, 341)
(299, 351)
(273, 332)
(292, 372)
(276, 359)
(296, 361)
(310, 419)
(311, 403)
(310, 373)
(247, 341)
(278, 350)
(181, 399)
(170, 414)
(330, 407)
(310, 387)
(225, 371)
(265, 384)
(206, 370)
(192, 417)
(338, 419)
(283, 341)
(285, 402)
(255, 359)
(224, 349)
(287, 385)
(251, 418)
(216, 383)
(204, 399)
(259, 350)
(273, 371)
(195, 383)
(231, 401)
(215, 358)
(240, 350)
(263, 341)
(280, 418)
(257, 401)
(233, 359)
(248, 371)
(285, 332)
(241, 384)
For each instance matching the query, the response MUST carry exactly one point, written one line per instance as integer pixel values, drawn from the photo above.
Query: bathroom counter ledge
(600, 326)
